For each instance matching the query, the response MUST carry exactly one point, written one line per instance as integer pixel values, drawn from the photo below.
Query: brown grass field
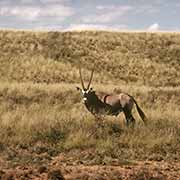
(46, 131)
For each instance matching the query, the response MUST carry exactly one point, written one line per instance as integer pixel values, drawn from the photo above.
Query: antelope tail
(141, 113)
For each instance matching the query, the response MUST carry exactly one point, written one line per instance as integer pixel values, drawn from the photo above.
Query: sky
(138, 15)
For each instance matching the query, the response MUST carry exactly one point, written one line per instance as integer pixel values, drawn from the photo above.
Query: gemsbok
(109, 104)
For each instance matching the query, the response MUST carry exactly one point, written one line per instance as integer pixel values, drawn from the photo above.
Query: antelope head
(86, 91)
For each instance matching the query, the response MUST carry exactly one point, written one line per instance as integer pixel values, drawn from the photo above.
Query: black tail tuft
(141, 113)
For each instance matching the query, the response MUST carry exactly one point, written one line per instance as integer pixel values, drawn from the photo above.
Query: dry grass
(134, 58)
(41, 111)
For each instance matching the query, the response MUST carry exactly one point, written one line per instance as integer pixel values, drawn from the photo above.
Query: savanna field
(46, 131)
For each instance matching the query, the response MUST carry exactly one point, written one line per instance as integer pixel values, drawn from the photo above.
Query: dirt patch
(59, 169)
(141, 171)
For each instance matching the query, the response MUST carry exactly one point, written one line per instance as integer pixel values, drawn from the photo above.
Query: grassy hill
(40, 110)
(150, 59)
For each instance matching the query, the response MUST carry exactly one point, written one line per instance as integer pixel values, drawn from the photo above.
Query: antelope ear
(78, 88)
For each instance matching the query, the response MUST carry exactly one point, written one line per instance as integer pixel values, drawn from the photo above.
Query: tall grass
(54, 115)
(40, 109)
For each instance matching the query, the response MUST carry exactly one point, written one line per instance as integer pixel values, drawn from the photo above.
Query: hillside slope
(151, 59)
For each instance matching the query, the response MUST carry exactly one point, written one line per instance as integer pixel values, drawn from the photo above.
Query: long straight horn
(91, 78)
(82, 83)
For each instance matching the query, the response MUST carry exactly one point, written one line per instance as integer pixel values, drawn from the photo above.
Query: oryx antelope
(109, 104)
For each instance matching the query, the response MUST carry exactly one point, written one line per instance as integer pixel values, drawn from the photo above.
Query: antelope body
(109, 104)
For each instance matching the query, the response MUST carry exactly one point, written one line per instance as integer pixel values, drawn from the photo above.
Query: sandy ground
(58, 168)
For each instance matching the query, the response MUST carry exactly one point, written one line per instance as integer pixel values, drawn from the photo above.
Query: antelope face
(86, 93)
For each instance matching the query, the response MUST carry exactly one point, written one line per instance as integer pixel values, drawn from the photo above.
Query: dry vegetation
(41, 114)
